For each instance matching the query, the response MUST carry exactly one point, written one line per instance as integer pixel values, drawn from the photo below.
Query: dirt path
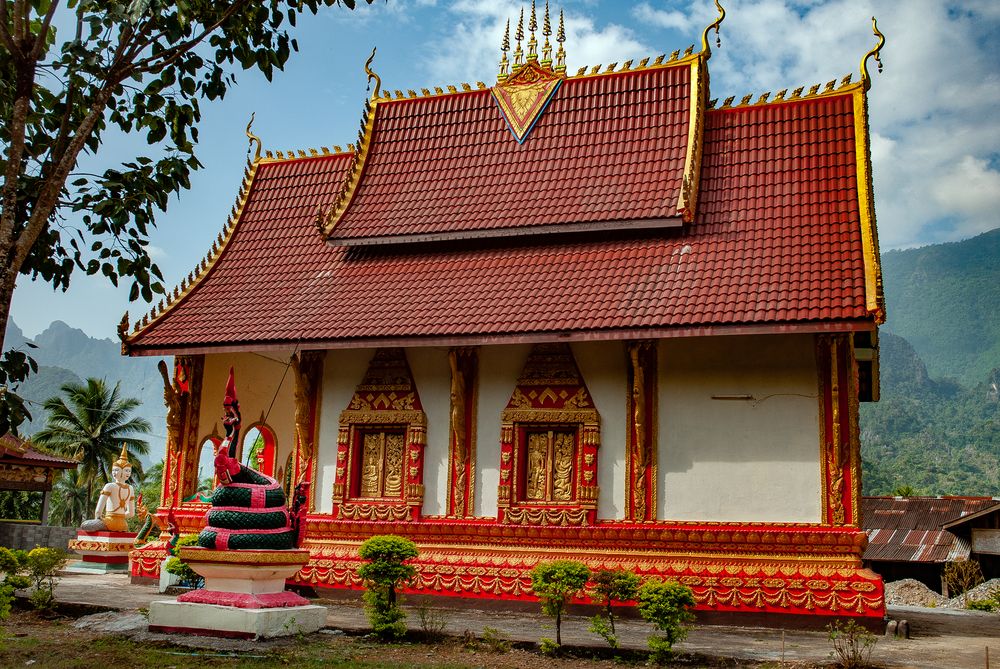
(940, 638)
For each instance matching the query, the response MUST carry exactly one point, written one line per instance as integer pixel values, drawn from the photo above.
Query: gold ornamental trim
(543, 517)
(383, 512)
(874, 295)
(251, 557)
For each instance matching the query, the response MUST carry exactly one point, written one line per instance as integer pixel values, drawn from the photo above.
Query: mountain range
(68, 355)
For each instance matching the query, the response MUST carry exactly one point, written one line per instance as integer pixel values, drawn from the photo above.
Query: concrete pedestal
(103, 552)
(244, 597)
(232, 622)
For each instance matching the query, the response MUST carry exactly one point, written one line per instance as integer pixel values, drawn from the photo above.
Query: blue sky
(935, 128)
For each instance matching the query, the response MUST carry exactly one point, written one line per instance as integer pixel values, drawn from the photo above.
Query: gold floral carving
(25, 474)
(640, 482)
(174, 400)
(531, 516)
(383, 512)
(464, 364)
(835, 466)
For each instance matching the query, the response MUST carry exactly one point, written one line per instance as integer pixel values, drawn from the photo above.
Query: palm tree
(70, 502)
(90, 422)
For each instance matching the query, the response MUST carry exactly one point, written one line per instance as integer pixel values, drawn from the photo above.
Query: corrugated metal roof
(909, 529)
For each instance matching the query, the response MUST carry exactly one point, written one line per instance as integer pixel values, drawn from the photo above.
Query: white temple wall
(262, 389)
(603, 366)
(432, 376)
(738, 459)
(499, 367)
(343, 370)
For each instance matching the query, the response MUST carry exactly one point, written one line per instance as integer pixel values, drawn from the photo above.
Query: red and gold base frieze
(753, 567)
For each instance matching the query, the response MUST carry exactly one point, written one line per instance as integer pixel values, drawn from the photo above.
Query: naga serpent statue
(248, 508)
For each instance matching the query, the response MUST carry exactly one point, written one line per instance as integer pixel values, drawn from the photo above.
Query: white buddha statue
(116, 503)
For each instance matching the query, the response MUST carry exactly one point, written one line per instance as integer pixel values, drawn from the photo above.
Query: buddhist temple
(595, 315)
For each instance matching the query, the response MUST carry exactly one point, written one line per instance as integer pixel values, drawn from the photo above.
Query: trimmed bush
(610, 586)
(386, 571)
(666, 604)
(556, 583)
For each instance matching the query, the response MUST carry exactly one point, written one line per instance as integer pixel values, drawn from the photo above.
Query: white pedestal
(173, 617)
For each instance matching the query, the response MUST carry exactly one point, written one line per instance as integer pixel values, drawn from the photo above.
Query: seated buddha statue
(116, 503)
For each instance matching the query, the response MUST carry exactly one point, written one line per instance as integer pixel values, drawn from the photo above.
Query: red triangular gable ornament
(523, 97)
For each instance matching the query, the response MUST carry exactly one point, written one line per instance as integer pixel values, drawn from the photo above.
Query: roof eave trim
(667, 223)
(687, 199)
(972, 516)
(874, 296)
(328, 222)
(806, 327)
(143, 327)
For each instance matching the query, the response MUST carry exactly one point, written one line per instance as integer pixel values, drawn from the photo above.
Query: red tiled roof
(910, 528)
(776, 241)
(607, 148)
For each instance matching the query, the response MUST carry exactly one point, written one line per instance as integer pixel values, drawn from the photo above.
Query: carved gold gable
(523, 97)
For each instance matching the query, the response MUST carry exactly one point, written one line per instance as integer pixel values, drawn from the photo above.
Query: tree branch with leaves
(133, 66)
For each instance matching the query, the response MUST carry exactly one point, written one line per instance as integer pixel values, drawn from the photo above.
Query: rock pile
(911, 592)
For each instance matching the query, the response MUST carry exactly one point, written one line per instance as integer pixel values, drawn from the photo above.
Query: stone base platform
(103, 552)
(231, 622)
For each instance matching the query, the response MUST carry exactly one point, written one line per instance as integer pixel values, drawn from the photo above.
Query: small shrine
(602, 315)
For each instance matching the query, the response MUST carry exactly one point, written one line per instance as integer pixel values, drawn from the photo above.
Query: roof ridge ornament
(866, 80)
(547, 32)
(251, 138)
(561, 53)
(504, 48)
(519, 35)
(532, 42)
(705, 48)
(371, 75)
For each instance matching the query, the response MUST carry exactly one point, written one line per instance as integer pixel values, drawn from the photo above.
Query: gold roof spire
(504, 48)
(371, 75)
(705, 48)
(519, 35)
(251, 138)
(560, 52)
(547, 31)
(532, 42)
(866, 80)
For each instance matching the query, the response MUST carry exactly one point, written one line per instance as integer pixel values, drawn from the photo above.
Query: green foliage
(131, 66)
(42, 566)
(70, 499)
(20, 505)
(385, 571)
(12, 563)
(495, 640)
(990, 605)
(548, 646)
(932, 437)
(555, 584)
(668, 605)
(176, 566)
(607, 587)
(852, 644)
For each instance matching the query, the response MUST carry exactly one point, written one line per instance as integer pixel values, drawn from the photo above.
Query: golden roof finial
(253, 138)
(371, 75)
(504, 48)
(560, 52)
(707, 50)
(547, 31)
(519, 35)
(866, 80)
(532, 42)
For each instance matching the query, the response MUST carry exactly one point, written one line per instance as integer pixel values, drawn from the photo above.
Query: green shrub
(989, 605)
(385, 571)
(12, 563)
(852, 644)
(42, 565)
(666, 604)
(556, 583)
(176, 566)
(610, 586)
